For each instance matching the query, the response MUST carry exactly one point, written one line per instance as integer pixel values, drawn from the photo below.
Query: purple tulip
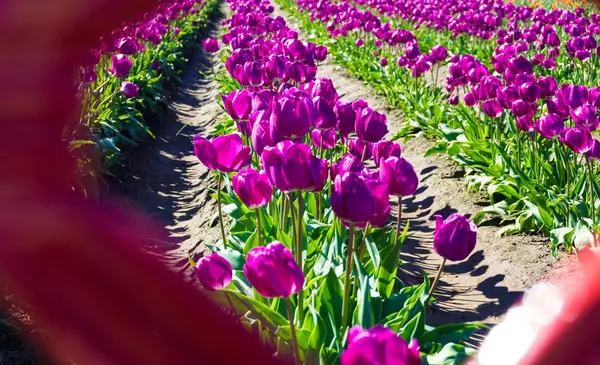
(525, 123)
(381, 196)
(345, 118)
(383, 62)
(292, 116)
(213, 272)
(385, 149)
(521, 108)
(292, 167)
(324, 115)
(594, 151)
(370, 125)
(88, 75)
(585, 116)
(276, 68)
(155, 65)
(254, 73)
(296, 49)
(379, 345)
(594, 96)
(411, 50)
(262, 135)
(360, 42)
(573, 96)
(252, 187)
(120, 65)
(550, 126)
(470, 99)
(238, 104)
(127, 46)
(455, 237)
(507, 95)
(324, 88)
(323, 138)
(348, 162)
(579, 140)
(549, 64)
(351, 198)
(556, 106)
(399, 175)
(530, 92)
(129, 89)
(272, 271)
(492, 108)
(439, 53)
(211, 45)
(519, 65)
(320, 53)
(225, 153)
(548, 85)
(361, 148)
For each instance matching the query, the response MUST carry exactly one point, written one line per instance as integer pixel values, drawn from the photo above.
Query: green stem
(592, 199)
(219, 181)
(290, 314)
(283, 213)
(349, 261)
(300, 203)
(294, 232)
(230, 302)
(399, 218)
(258, 225)
(361, 249)
(436, 281)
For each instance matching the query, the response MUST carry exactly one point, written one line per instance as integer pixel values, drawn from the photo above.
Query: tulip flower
(324, 117)
(238, 104)
(292, 116)
(548, 86)
(345, 118)
(585, 116)
(492, 108)
(272, 271)
(211, 45)
(351, 199)
(453, 99)
(385, 149)
(324, 89)
(360, 42)
(254, 73)
(276, 68)
(323, 138)
(370, 125)
(594, 151)
(127, 46)
(525, 123)
(348, 162)
(578, 139)
(521, 108)
(320, 53)
(224, 154)
(530, 92)
(556, 106)
(439, 53)
(262, 135)
(381, 196)
(400, 176)
(549, 126)
(292, 167)
(383, 62)
(361, 149)
(379, 345)
(507, 95)
(213, 272)
(252, 187)
(88, 76)
(120, 65)
(573, 96)
(129, 89)
(469, 99)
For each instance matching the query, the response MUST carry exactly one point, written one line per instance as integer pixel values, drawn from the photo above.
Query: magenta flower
(238, 104)
(254, 73)
(127, 46)
(211, 45)
(383, 62)
(370, 125)
(323, 138)
(594, 151)
(351, 198)
(120, 65)
(439, 53)
(573, 96)
(585, 116)
(379, 346)
(455, 237)
(399, 175)
(469, 99)
(88, 76)
(320, 53)
(324, 88)
(549, 126)
(348, 162)
(272, 271)
(129, 89)
(492, 108)
(324, 117)
(292, 167)
(361, 149)
(381, 195)
(213, 272)
(253, 187)
(360, 42)
(578, 139)
(345, 118)
(292, 116)
(225, 153)
(384, 150)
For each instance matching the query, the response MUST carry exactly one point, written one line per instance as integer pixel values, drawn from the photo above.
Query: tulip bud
(521, 108)
(548, 86)
(276, 68)
(453, 99)
(213, 272)
(383, 62)
(127, 45)
(129, 89)
(351, 199)
(120, 66)
(507, 95)
(386, 149)
(225, 153)
(323, 138)
(439, 53)
(272, 271)
(360, 42)
(455, 237)
(379, 345)
(470, 99)
(292, 167)
(399, 175)
(556, 106)
(253, 188)
(320, 53)
(530, 92)
(578, 139)
(370, 125)
(88, 75)
(550, 126)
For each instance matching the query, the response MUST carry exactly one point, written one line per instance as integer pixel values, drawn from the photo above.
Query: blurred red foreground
(99, 300)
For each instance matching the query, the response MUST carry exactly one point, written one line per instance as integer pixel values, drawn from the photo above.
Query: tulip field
(310, 187)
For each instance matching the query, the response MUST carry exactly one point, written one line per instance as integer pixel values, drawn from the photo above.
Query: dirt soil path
(164, 177)
(485, 285)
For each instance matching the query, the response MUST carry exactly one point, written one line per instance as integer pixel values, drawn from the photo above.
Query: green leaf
(251, 242)
(499, 208)
(387, 270)
(451, 333)
(366, 317)
(451, 354)
(235, 258)
(439, 147)
(582, 236)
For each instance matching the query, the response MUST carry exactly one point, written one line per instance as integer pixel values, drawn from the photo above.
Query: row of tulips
(521, 136)
(123, 80)
(309, 258)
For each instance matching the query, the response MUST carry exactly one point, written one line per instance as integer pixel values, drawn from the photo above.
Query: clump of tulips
(308, 256)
